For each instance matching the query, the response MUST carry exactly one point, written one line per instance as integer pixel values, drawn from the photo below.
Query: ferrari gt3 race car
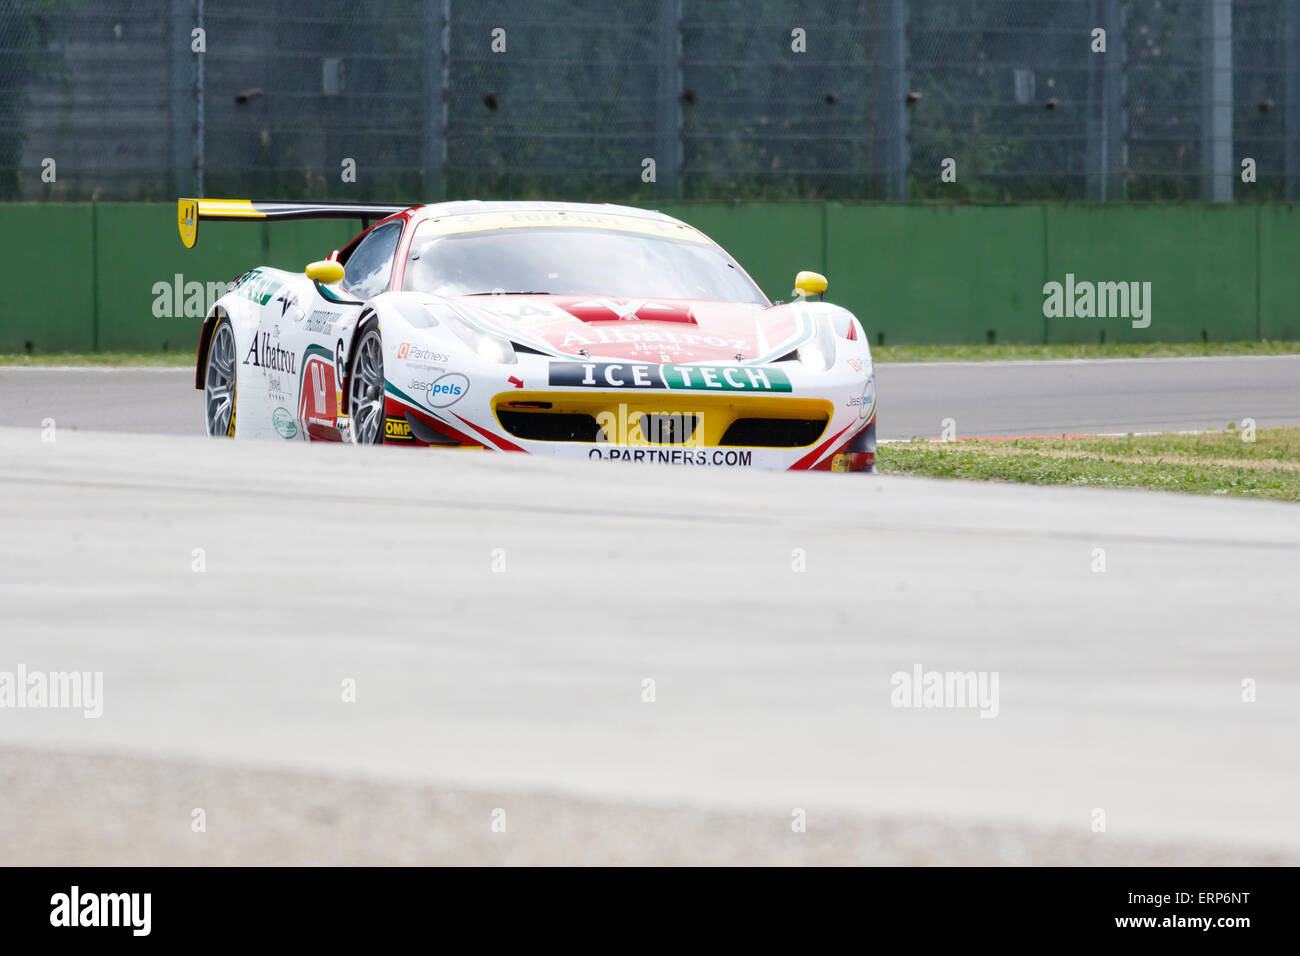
(576, 330)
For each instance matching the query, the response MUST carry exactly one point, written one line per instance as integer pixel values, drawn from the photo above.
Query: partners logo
(413, 353)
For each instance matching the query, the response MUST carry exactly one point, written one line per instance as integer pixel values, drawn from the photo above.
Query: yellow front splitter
(620, 415)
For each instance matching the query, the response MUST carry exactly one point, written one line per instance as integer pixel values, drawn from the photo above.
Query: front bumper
(822, 421)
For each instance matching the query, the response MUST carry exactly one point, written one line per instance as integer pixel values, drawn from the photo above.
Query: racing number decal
(318, 389)
(316, 403)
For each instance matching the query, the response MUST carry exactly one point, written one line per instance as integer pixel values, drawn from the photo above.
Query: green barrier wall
(86, 274)
(49, 255)
(1279, 272)
(83, 277)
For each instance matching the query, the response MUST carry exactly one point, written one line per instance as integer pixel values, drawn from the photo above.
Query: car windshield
(566, 260)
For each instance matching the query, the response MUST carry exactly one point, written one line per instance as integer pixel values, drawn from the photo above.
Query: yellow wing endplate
(190, 211)
(187, 220)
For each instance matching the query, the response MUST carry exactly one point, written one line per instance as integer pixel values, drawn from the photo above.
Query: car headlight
(818, 353)
(490, 348)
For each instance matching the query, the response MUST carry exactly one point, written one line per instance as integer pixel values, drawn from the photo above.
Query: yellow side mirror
(327, 271)
(809, 283)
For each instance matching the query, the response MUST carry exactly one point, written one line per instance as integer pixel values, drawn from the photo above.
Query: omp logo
(1098, 300)
(74, 908)
(725, 378)
(395, 429)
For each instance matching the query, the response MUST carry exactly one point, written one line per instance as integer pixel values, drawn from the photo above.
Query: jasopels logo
(1098, 300)
(447, 390)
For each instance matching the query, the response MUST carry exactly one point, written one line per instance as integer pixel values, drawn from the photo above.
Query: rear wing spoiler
(190, 211)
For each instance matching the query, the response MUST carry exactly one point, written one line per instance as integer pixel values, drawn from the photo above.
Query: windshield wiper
(509, 293)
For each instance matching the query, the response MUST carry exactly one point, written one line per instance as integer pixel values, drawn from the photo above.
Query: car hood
(643, 330)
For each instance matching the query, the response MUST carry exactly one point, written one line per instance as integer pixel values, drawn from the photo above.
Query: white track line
(997, 363)
(96, 368)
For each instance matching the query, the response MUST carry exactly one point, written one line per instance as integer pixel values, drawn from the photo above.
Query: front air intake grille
(647, 419)
(668, 429)
(549, 426)
(774, 432)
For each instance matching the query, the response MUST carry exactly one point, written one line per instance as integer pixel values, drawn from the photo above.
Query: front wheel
(366, 386)
(219, 382)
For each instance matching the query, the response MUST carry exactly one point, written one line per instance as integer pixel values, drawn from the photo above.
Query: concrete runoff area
(498, 618)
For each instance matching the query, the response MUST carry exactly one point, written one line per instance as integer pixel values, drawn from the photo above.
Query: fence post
(1216, 101)
(184, 162)
(891, 138)
(668, 99)
(1291, 62)
(435, 51)
(1107, 126)
(200, 117)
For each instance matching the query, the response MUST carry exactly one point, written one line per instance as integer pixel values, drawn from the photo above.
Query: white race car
(568, 329)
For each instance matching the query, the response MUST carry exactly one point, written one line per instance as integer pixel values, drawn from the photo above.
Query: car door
(324, 325)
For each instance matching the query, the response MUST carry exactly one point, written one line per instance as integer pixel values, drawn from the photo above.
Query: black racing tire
(220, 376)
(366, 385)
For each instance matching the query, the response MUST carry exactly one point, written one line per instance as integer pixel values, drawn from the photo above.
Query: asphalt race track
(982, 398)
(501, 615)
(1094, 396)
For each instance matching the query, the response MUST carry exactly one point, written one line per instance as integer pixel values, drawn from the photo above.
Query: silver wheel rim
(219, 387)
(367, 390)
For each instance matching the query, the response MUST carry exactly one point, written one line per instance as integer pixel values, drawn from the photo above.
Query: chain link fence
(642, 100)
